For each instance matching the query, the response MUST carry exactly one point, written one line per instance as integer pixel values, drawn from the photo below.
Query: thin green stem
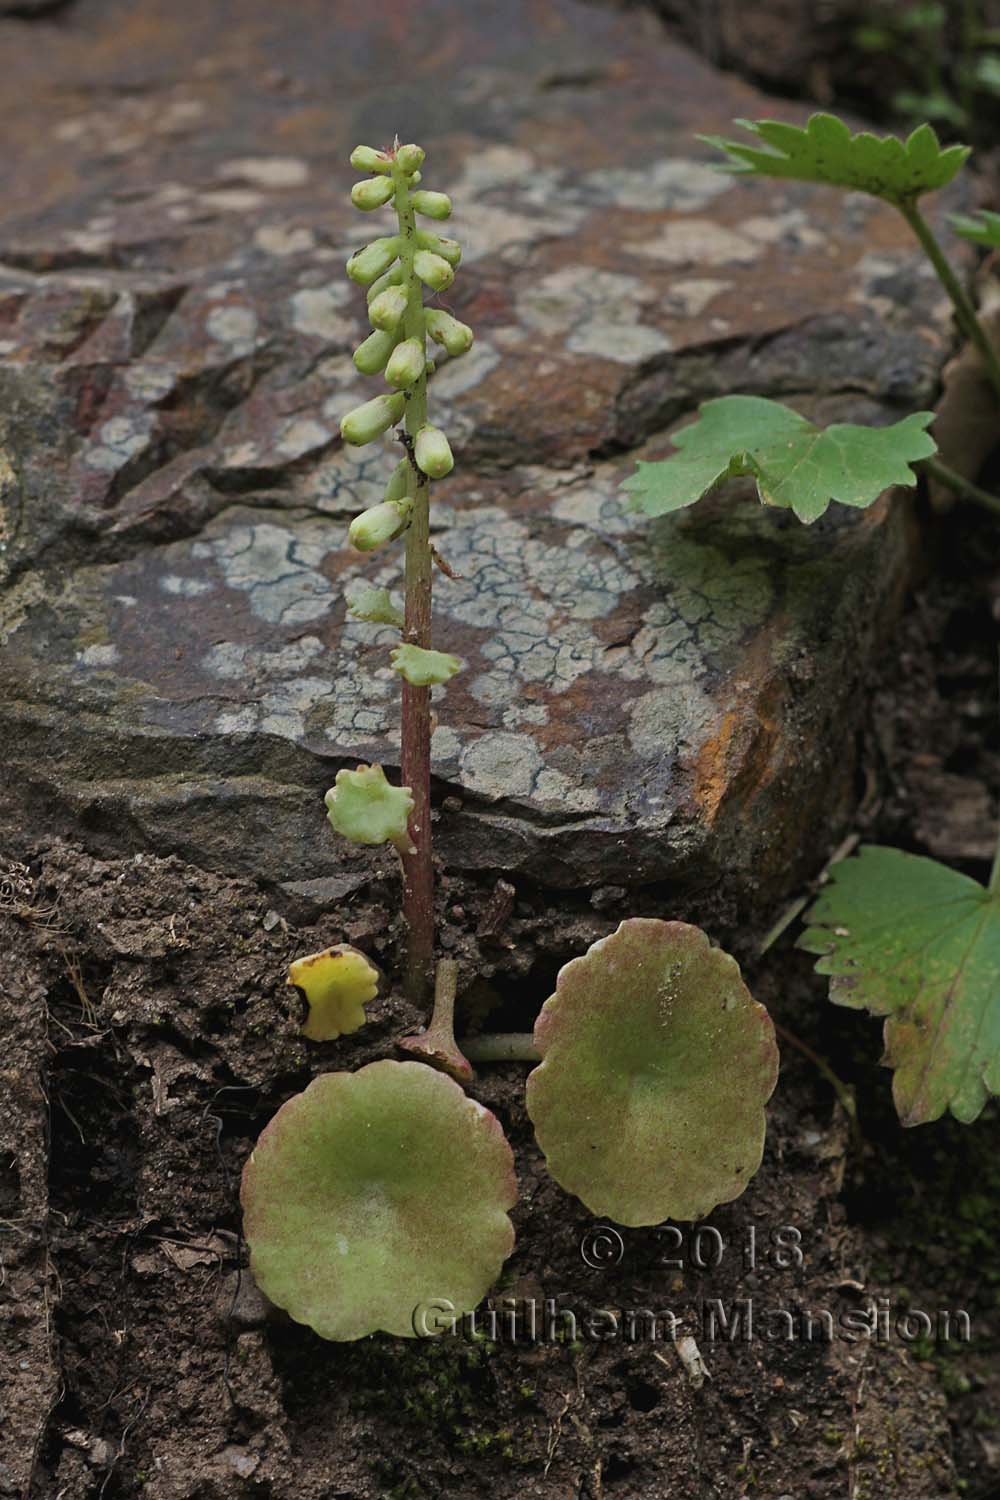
(418, 866)
(962, 486)
(965, 312)
(501, 1046)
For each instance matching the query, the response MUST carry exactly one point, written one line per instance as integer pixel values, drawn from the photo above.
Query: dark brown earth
(148, 1033)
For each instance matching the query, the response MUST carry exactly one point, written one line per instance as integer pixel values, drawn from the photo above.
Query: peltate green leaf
(826, 151)
(905, 937)
(982, 228)
(795, 464)
(375, 1194)
(656, 1066)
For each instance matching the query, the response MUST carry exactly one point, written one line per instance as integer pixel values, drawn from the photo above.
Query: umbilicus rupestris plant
(363, 806)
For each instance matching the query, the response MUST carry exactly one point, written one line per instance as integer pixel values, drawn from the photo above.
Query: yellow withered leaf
(337, 984)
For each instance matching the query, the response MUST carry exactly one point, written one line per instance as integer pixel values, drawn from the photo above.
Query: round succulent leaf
(337, 984)
(422, 667)
(656, 1066)
(374, 1193)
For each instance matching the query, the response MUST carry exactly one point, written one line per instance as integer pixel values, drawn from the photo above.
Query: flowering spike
(365, 808)
(433, 453)
(378, 525)
(365, 265)
(406, 363)
(365, 423)
(432, 205)
(410, 158)
(387, 309)
(371, 356)
(438, 244)
(367, 159)
(454, 336)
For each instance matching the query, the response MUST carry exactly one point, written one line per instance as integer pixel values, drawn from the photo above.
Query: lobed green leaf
(795, 464)
(905, 937)
(825, 151)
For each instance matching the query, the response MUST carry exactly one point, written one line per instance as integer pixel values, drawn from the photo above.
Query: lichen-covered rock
(640, 701)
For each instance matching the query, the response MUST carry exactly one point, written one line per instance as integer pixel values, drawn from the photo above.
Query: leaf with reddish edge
(656, 1066)
(376, 1192)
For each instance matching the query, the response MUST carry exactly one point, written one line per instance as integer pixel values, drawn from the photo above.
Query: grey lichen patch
(598, 312)
(275, 566)
(316, 311)
(675, 183)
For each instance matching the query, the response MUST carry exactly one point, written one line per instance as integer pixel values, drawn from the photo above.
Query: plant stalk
(501, 1046)
(965, 312)
(962, 486)
(418, 866)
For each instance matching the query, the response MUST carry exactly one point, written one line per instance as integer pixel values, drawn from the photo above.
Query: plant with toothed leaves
(373, 1193)
(397, 269)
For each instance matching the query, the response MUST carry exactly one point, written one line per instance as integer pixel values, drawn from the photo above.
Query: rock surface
(641, 701)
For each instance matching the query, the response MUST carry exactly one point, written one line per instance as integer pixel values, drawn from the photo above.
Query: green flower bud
(364, 265)
(366, 602)
(372, 193)
(365, 423)
(433, 453)
(370, 357)
(449, 250)
(454, 336)
(399, 485)
(391, 278)
(409, 158)
(432, 205)
(416, 177)
(367, 159)
(406, 363)
(386, 310)
(423, 668)
(433, 270)
(378, 525)
(366, 809)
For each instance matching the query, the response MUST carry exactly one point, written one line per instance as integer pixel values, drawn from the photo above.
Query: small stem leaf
(423, 668)
(656, 1066)
(374, 1198)
(365, 808)
(904, 937)
(795, 465)
(337, 983)
(366, 602)
(825, 151)
(982, 228)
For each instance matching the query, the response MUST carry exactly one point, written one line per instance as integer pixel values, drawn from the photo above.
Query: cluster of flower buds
(395, 268)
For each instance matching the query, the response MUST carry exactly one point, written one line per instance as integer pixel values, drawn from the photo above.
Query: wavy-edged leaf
(422, 667)
(795, 464)
(982, 228)
(825, 151)
(907, 938)
(366, 602)
(374, 1193)
(365, 808)
(656, 1066)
